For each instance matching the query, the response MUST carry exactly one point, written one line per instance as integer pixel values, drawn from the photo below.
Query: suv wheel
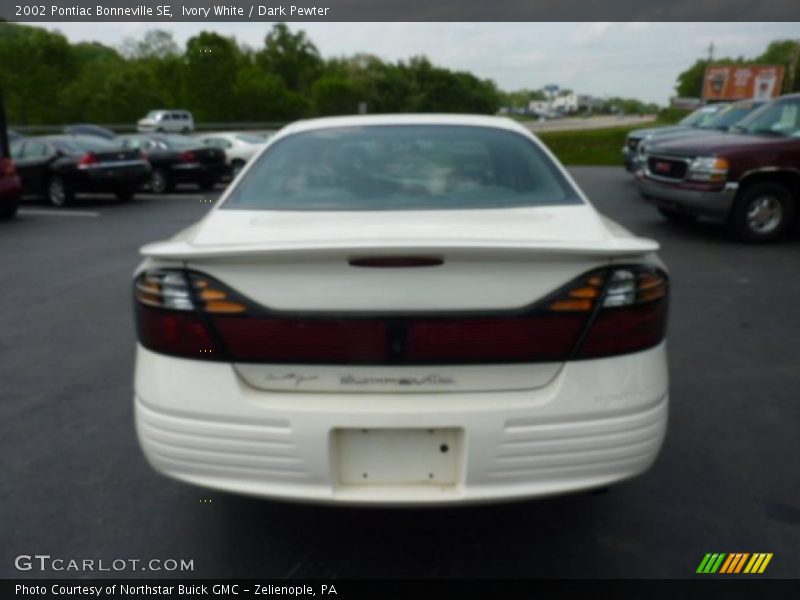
(762, 213)
(58, 192)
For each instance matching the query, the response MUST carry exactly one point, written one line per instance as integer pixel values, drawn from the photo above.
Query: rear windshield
(402, 167)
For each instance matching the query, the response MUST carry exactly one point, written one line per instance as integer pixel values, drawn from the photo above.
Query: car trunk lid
(441, 283)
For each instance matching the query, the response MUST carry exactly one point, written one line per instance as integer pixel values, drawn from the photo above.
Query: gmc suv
(748, 178)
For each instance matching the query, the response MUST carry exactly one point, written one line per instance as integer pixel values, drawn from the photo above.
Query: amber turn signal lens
(211, 294)
(223, 306)
(571, 305)
(585, 292)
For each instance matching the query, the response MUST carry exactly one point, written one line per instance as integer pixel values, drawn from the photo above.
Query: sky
(633, 59)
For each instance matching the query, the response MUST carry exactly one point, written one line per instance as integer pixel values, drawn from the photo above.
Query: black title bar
(398, 10)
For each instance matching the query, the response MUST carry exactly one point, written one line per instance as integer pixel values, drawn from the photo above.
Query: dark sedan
(177, 159)
(59, 167)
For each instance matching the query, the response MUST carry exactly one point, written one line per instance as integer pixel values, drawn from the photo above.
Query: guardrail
(131, 127)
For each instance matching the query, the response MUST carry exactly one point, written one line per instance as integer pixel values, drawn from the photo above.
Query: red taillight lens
(87, 160)
(173, 332)
(188, 156)
(603, 313)
(516, 339)
(296, 340)
(7, 168)
(625, 329)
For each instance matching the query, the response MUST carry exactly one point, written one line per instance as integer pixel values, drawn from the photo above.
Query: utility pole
(710, 52)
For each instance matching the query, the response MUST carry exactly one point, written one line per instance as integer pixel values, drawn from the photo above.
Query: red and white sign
(741, 82)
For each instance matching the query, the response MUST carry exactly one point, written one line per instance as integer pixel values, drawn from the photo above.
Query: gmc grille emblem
(662, 167)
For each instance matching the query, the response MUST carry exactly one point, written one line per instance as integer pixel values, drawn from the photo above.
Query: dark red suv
(10, 188)
(748, 178)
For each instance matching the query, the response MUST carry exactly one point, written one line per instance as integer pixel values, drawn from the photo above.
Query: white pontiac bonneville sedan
(403, 310)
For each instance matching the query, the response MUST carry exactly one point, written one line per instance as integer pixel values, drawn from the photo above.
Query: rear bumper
(674, 196)
(197, 172)
(597, 422)
(113, 179)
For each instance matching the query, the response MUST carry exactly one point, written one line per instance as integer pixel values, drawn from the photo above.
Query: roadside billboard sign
(741, 82)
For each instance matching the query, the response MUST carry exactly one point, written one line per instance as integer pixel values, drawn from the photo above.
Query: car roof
(406, 119)
(63, 138)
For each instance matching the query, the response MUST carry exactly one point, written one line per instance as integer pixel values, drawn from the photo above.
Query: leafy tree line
(778, 52)
(48, 80)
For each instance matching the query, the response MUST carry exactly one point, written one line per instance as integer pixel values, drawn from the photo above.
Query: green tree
(210, 65)
(155, 43)
(264, 97)
(786, 53)
(35, 65)
(335, 95)
(690, 81)
(291, 56)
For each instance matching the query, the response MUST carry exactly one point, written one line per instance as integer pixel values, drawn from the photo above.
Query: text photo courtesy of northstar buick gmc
(402, 310)
(748, 178)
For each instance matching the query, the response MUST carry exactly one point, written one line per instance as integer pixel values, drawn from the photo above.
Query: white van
(167, 121)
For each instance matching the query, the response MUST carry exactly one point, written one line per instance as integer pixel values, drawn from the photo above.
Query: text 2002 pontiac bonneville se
(402, 310)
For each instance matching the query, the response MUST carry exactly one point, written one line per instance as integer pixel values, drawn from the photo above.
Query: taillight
(188, 156)
(87, 160)
(7, 167)
(166, 318)
(603, 313)
(633, 314)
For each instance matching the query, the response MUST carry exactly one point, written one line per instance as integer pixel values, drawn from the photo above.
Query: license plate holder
(397, 457)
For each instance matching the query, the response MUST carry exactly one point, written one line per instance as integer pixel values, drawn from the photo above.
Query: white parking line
(54, 212)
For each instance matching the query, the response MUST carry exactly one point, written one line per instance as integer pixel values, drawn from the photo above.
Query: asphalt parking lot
(75, 485)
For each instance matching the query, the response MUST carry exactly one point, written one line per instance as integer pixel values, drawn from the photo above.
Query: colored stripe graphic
(727, 564)
(703, 563)
(734, 563)
(758, 563)
(711, 562)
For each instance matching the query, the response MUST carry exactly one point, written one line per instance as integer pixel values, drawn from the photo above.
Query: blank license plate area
(384, 457)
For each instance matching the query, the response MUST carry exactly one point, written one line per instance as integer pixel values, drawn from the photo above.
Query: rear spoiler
(610, 248)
